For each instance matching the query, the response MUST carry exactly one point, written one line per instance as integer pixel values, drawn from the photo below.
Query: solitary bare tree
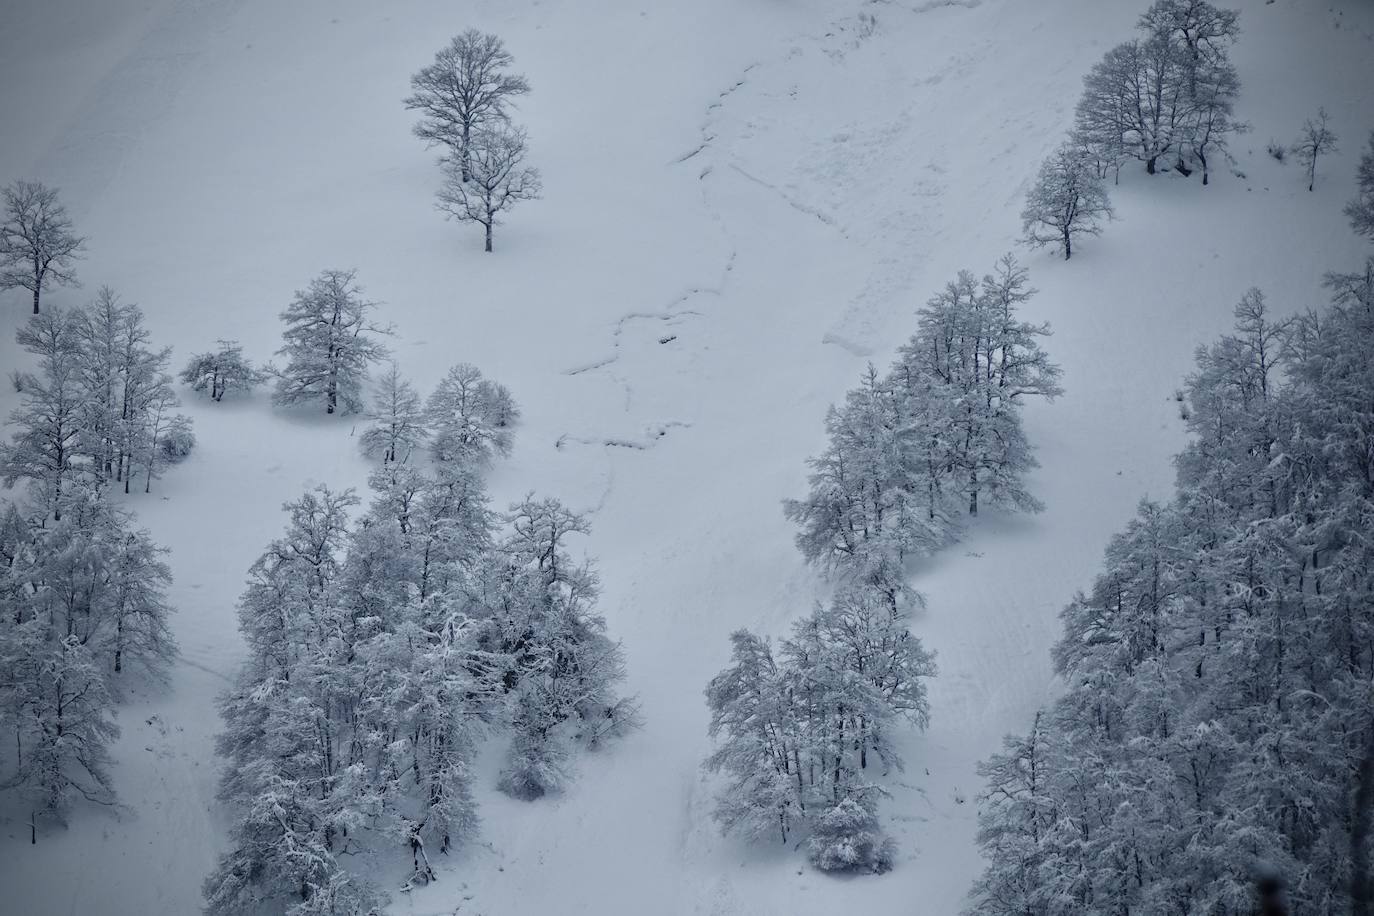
(1314, 141)
(464, 89)
(37, 246)
(495, 179)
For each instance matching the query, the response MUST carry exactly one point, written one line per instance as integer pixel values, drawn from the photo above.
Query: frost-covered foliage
(100, 406)
(1167, 95)
(848, 837)
(939, 435)
(1361, 209)
(222, 370)
(797, 730)
(381, 652)
(329, 343)
(37, 244)
(398, 421)
(1218, 674)
(1067, 200)
(82, 603)
(1315, 141)
(471, 418)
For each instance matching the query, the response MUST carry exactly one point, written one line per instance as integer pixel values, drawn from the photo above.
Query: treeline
(1216, 725)
(82, 592)
(800, 730)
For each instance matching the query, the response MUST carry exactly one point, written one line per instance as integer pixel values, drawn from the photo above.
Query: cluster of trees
(82, 607)
(383, 650)
(937, 437)
(1219, 675)
(1166, 96)
(910, 454)
(465, 98)
(468, 419)
(100, 406)
(798, 729)
(38, 247)
(82, 592)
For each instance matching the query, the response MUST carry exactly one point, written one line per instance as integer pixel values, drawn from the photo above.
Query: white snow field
(745, 201)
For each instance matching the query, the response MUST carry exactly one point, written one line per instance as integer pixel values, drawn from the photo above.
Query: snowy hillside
(745, 202)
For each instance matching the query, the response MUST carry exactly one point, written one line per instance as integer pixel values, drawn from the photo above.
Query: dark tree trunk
(488, 236)
(1068, 245)
(35, 298)
(1361, 889)
(1150, 165)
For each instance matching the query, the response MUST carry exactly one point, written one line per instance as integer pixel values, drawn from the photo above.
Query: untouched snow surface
(746, 200)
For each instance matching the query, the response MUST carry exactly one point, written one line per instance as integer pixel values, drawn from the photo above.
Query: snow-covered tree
(467, 88)
(59, 712)
(1315, 141)
(330, 342)
(566, 666)
(1067, 200)
(491, 180)
(37, 244)
(471, 419)
(48, 420)
(398, 420)
(224, 369)
(794, 730)
(754, 723)
(848, 838)
(1361, 209)
(164, 437)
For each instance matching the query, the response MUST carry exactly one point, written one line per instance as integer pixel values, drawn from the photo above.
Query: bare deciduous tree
(1316, 140)
(465, 88)
(496, 178)
(37, 245)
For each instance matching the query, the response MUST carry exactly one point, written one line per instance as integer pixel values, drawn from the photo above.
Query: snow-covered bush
(221, 370)
(847, 837)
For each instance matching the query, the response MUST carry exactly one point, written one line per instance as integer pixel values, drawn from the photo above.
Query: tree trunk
(1068, 245)
(35, 298)
(1361, 889)
(1150, 165)
(466, 165)
(488, 236)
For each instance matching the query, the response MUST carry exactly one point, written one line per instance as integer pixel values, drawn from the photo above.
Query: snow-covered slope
(745, 201)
